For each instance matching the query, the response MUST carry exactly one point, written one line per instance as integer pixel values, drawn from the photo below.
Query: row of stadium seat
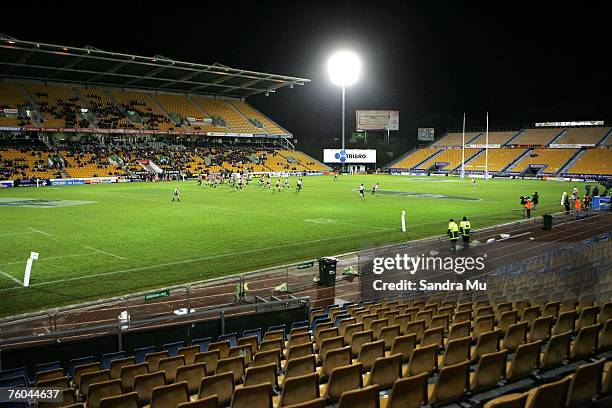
(590, 136)
(388, 344)
(597, 161)
(26, 164)
(11, 97)
(95, 161)
(60, 107)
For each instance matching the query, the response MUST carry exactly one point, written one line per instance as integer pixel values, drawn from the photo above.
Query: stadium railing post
(53, 323)
(188, 292)
(287, 279)
(222, 317)
(119, 336)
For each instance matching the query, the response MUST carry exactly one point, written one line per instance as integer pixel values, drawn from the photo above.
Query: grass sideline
(131, 237)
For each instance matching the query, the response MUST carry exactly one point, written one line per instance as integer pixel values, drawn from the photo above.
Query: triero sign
(158, 294)
(349, 156)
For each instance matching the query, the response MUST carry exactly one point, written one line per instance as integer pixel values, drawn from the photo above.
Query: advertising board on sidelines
(349, 156)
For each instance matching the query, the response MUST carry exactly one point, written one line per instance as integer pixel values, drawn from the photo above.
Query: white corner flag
(403, 221)
(28, 269)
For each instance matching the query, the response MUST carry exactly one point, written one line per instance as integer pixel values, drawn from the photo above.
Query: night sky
(431, 60)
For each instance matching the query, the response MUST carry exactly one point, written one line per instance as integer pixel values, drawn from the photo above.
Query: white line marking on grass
(39, 231)
(42, 258)
(11, 277)
(16, 233)
(104, 252)
(184, 261)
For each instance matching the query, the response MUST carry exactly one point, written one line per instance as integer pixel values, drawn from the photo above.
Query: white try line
(16, 233)
(50, 258)
(39, 231)
(185, 261)
(104, 252)
(11, 277)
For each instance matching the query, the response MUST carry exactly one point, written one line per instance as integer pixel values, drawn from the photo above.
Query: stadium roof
(90, 65)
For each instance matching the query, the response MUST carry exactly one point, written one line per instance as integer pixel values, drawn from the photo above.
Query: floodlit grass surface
(131, 237)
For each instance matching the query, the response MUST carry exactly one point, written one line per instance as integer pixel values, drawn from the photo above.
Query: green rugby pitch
(99, 241)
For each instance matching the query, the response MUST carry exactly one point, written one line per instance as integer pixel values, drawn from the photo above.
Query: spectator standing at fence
(587, 202)
(566, 203)
(453, 233)
(528, 205)
(577, 206)
(465, 228)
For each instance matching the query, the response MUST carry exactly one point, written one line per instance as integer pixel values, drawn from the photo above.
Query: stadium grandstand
(82, 123)
(248, 292)
(570, 151)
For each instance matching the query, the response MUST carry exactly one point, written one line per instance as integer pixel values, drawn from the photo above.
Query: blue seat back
(77, 362)
(172, 348)
(203, 343)
(54, 365)
(140, 353)
(19, 381)
(108, 357)
(253, 332)
(231, 337)
(14, 372)
(303, 323)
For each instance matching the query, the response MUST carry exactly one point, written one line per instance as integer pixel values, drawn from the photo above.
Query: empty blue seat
(108, 357)
(77, 362)
(18, 381)
(340, 317)
(278, 327)
(140, 353)
(203, 343)
(232, 337)
(329, 307)
(14, 372)
(253, 332)
(319, 319)
(347, 304)
(303, 323)
(172, 348)
(54, 365)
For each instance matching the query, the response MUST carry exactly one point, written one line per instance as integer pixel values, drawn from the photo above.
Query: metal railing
(121, 326)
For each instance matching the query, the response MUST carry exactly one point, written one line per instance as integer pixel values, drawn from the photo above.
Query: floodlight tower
(344, 68)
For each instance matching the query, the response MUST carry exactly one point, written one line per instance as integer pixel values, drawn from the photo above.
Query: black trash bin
(548, 222)
(327, 271)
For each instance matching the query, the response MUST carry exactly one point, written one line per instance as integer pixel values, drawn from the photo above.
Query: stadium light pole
(344, 68)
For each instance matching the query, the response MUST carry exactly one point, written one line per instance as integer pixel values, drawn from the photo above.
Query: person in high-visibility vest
(528, 206)
(577, 206)
(453, 233)
(465, 229)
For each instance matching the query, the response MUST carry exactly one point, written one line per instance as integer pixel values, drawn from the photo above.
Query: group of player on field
(238, 181)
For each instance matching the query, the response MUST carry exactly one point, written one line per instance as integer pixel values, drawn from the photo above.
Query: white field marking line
(104, 252)
(191, 260)
(273, 215)
(39, 231)
(16, 233)
(477, 216)
(50, 258)
(184, 261)
(11, 277)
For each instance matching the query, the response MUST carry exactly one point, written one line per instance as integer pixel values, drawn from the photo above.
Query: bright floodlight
(344, 67)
